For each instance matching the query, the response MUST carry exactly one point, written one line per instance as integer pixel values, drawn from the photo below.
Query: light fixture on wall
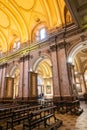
(13, 76)
(7, 75)
(30, 69)
(76, 72)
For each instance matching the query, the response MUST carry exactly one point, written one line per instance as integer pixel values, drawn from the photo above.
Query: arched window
(40, 34)
(16, 45)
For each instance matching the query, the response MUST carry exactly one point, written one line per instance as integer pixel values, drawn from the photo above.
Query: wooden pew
(46, 103)
(74, 107)
(6, 111)
(53, 126)
(40, 116)
(61, 106)
(17, 116)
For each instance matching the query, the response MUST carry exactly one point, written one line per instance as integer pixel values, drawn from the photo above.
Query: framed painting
(48, 89)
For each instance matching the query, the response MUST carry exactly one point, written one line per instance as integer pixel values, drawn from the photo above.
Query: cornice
(3, 65)
(55, 37)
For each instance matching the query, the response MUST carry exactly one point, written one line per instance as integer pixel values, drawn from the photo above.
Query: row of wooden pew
(28, 116)
(33, 116)
(64, 106)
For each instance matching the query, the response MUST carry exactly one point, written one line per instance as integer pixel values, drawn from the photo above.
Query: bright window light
(18, 44)
(42, 33)
(14, 46)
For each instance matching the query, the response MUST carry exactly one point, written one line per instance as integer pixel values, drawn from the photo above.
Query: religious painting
(48, 89)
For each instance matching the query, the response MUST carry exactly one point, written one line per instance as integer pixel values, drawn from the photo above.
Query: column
(63, 72)
(56, 86)
(72, 81)
(3, 81)
(21, 77)
(71, 76)
(1, 73)
(83, 84)
(26, 79)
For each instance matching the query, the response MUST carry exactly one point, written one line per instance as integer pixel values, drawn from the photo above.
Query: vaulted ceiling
(78, 10)
(18, 18)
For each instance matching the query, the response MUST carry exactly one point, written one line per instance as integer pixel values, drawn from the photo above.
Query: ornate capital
(53, 47)
(3, 65)
(62, 45)
(21, 59)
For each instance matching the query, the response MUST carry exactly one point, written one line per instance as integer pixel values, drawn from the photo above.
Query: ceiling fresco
(18, 18)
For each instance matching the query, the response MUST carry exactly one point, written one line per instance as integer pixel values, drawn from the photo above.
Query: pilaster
(21, 84)
(63, 72)
(26, 69)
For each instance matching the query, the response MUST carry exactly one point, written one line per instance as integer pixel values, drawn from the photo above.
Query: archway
(77, 48)
(45, 82)
(15, 73)
(78, 58)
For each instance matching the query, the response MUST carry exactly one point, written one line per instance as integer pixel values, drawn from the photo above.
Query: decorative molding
(54, 38)
(61, 45)
(3, 65)
(21, 59)
(53, 48)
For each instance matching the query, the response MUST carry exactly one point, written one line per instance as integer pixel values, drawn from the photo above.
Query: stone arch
(80, 46)
(14, 72)
(39, 59)
(79, 65)
(43, 66)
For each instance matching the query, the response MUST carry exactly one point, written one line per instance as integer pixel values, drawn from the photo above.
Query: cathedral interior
(43, 60)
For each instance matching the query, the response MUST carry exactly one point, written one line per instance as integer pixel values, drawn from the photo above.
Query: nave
(73, 122)
(70, 121)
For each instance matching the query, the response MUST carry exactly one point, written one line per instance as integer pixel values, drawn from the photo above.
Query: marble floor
(71, 122)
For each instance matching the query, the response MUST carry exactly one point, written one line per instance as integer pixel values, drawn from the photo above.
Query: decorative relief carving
(25, 57)
(58, 46)
(21, 59)
(61, 45)
(53, 48)
(3, 65)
